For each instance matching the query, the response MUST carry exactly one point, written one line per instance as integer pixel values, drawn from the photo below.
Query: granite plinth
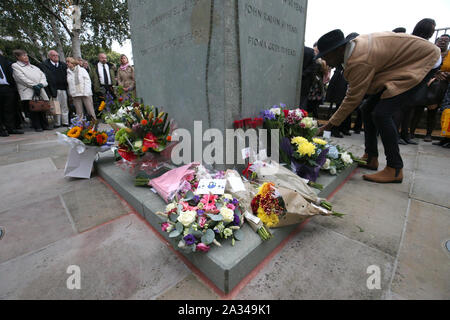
(227, 266)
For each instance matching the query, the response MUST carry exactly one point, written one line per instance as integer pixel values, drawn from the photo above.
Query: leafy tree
(62, 23)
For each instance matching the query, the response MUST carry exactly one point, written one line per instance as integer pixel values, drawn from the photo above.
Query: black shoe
(335, 133)
(440, 143)
(356, 131)
(38, 130)
(16, 131)
(4, 133)
(446, 145)
(47, 128)
(402, 142)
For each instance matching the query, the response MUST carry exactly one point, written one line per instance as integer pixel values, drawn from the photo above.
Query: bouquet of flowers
(199, 221)
(143, 134)
(338, 159)
(298, 124)
(87, 133)
(306, 157)
(278, 206)
(85, 141)
(274, 118)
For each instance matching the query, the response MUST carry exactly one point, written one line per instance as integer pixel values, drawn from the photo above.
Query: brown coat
(125, 78)
(397, 62)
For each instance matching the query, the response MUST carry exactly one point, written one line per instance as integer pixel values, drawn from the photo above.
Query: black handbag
(429, 95)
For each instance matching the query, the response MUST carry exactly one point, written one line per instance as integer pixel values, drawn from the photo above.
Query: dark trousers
(313, 108)
(38, 119)
(378, 117)
(8, 110)
(417, 115)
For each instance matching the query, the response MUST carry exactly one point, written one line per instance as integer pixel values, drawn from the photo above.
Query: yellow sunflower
(306, 148)
(90, 135)
(102, 106)
(75, 132)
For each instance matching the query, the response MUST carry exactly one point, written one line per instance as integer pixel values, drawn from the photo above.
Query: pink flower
(202, 247)
(165, 226)
(209, 202)
(231, 206)
(189, 177)
(187, 207)
(202, 221)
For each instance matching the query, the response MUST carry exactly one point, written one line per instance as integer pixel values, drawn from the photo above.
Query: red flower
(286, 113)
(255, 203)
(144, 122)
(127, 155)
(150, 141)
(120, 99)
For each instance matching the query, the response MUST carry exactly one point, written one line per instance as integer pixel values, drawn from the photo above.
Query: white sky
(362, 16)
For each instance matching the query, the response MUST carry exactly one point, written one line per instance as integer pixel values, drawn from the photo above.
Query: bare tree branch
(56, 16)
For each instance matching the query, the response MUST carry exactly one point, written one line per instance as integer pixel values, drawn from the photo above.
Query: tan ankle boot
(372, 163)
(388, 175)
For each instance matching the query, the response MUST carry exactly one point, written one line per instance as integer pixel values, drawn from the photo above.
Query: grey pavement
(53, 223)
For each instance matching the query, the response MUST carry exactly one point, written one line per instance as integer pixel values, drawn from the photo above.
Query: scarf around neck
(124, 67)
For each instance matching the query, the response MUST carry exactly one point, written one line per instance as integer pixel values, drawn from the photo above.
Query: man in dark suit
(56, 73)
(8, 99)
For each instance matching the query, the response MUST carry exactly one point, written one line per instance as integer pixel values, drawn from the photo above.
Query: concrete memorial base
(227, 266)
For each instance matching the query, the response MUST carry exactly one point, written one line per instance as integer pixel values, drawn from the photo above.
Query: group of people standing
(71, 83)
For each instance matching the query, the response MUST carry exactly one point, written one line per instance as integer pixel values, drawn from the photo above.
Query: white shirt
(3, 81)
(100, 73)
(54, 63)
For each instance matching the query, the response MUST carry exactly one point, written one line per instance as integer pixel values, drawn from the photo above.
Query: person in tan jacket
(389, 67)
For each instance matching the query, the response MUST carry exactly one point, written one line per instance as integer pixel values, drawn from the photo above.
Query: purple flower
(268, 115)
(235, 201)
(200, 212)
(282, 105)
(236, 220)
(189, 239)
(196, 199)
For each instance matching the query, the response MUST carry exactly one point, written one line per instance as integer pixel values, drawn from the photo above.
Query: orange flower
(144, 122)
(169, 138)
(144, 149)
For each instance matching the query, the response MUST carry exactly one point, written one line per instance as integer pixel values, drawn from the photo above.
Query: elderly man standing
(56, 73)
(389, 67)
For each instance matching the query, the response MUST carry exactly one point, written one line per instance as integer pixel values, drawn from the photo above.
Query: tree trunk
(59, 46)
(76, 31)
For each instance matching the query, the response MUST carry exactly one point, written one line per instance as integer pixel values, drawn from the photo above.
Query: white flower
(299, 113)
(169, 228)
(346, 158)
(187, 217)
(276, 111)
(315, 124)
(227, 214)
(326, 166)
(333, 170)
(308, 122)
(171, 206)
(228, 196)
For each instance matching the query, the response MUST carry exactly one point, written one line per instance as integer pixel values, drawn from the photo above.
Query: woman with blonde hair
(125, 76)
(80, 88)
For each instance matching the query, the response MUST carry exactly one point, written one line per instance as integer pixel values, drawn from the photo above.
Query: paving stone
(120, 260)
(423, 262)
(339, 272)
(376, 209)
(431, 180)
(93, 204)
(190, 288)
(33, 226)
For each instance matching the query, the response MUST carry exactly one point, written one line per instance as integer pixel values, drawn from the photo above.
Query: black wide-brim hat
(331, 41)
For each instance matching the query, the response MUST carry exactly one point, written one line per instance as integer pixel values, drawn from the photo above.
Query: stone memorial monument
(214, 62)
(217, 61)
